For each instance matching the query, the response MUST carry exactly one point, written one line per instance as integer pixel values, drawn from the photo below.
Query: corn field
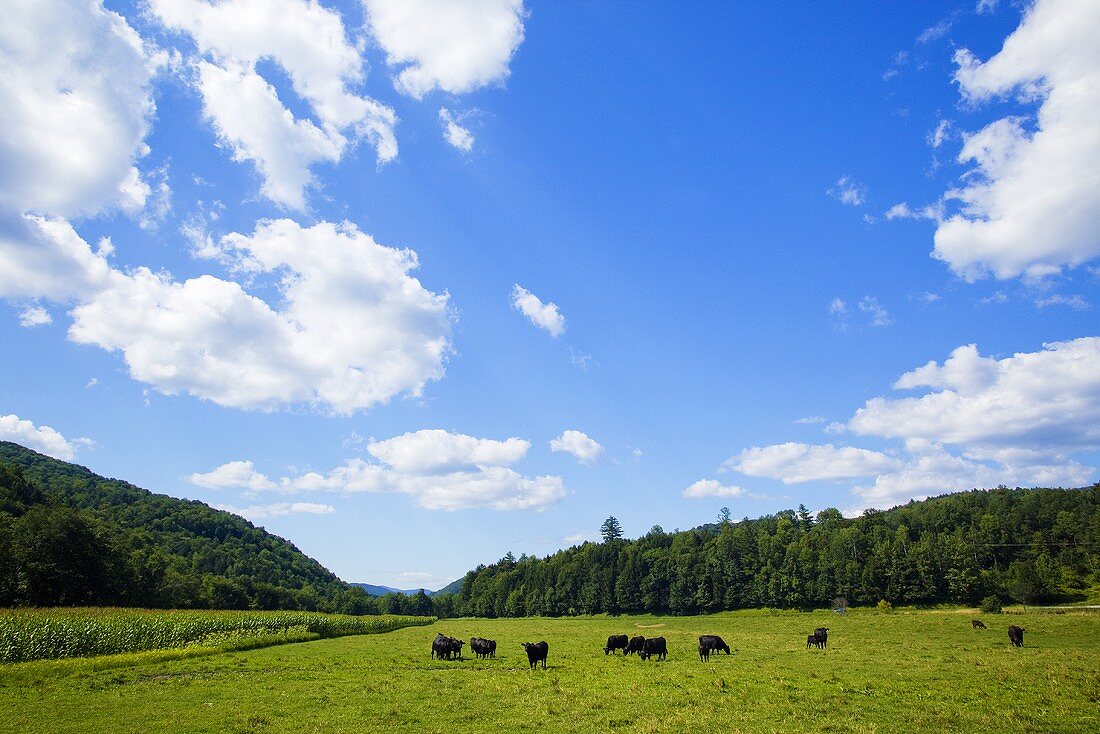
(39, 634)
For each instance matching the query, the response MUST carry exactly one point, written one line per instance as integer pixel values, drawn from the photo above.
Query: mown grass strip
(48, 634)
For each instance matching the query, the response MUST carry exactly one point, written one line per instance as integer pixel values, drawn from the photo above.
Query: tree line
(1025, 545)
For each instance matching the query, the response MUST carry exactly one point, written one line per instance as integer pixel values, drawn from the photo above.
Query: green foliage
(991, 605)
(884, 607)
(37, 634)
(611, 529)
(1025, 544)
(70, 537)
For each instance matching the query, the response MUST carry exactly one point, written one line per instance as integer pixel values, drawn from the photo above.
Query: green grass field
(901, 672)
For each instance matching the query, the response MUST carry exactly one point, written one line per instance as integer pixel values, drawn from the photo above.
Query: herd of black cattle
(450, 648)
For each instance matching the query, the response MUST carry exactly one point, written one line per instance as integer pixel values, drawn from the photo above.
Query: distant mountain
(70, 537)
(376, 590)
(452, 588)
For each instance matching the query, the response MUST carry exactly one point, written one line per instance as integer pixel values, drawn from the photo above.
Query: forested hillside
(70, 537)
(1027, 545)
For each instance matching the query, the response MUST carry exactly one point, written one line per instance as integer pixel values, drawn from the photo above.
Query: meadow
(902, 672)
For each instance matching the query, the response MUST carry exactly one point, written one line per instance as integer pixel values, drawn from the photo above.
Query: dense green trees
(1014, 544)
(70, 537)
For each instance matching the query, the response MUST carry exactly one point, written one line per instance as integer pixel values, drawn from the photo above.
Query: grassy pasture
(902, 672)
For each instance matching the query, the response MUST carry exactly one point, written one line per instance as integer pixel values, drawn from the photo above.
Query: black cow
(1016, 636)
(822, 637)
(654, 646)
(636, 644)
(811, 641)
(616, 642)
(536, 651)
(447, 648)
(978, 624)
(713, 643)
(483, 648)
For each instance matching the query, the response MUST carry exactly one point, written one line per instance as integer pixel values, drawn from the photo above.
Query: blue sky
(413, 284)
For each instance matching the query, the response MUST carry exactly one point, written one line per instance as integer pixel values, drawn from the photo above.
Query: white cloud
(1048, 401)
(545, 316)
(936, 32)
(941, 134)
(1076, 302)
(441, 471)
(584, 449)
(234, 474)
(848, 192)
(33, 316)
(711, 488)
(879, 315)
(40, 438)
(355, 329)
(1029, 203)
(837, 307)
(75, 105)
(310, 44)
(793, 463)
(585, 536)
(433, 451)
(933, 212)
(458, 136)
(809, 420)
(279, 509)
(453, 46)
(986, 6)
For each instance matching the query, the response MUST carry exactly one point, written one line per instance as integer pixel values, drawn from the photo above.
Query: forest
(1001, 545)
(71, 538)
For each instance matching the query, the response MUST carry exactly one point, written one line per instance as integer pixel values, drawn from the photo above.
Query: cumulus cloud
(793, 463)
(584, 449)
(233, 475)
(440, 470)
(353, 329)
(33, 316)
(543, 315)
(981, 422)
(40, 438)
(440, 44)
(712, 488)
(75, 106)
(310, 44)
(1028, 204)
(1048, 399)
(458, 136)
(279, 509)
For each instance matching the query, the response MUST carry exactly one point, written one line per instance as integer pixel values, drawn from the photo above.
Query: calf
(616, 642)
(654, 646)
(704, 653)
(713, 643)
(811, 641)
(1016, 636)
(536, 651)
(636, 644)
(978, 624)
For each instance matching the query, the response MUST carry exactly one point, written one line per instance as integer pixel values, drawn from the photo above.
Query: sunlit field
(906, 671)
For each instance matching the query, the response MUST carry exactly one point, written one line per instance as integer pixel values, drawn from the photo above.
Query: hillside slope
(71, 537)
(1027, 545)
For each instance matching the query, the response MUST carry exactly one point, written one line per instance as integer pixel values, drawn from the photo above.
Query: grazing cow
(536, 651)
(822, 637)
(636, 644)
(978, 624)
(616, 642)
(1016, 636)
(483, 648)
(654, 646)
(713, 643)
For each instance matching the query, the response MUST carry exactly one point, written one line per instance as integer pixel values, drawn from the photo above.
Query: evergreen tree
(611, 530)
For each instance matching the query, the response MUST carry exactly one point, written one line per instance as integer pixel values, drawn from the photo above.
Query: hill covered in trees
(70, 537)
(1027, 545)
